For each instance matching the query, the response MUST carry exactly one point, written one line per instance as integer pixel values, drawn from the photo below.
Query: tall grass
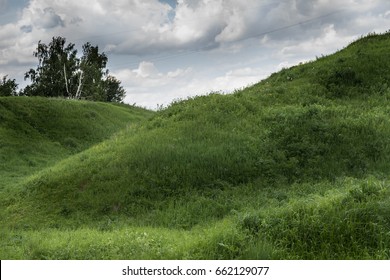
(37, 132)
(295, 167)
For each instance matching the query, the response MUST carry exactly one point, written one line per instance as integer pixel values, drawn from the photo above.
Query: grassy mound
(293, 167)
(37, 132)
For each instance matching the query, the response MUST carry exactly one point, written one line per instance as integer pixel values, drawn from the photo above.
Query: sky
(167, 50)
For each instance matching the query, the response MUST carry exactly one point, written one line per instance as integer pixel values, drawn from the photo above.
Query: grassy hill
(294, 167)
(38, 132)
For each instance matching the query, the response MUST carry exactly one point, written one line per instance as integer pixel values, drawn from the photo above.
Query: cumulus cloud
(146, 70)
(205, 45)
(237, 78)
(26, 28)
(327, 38)
(148, 76)
(138, 27)
(149, 27)
(142, 82)
(48, 19)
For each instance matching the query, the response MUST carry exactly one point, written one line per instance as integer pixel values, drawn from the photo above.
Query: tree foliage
(61, 73)
(8, 87)
(55, 73)
(113, 91)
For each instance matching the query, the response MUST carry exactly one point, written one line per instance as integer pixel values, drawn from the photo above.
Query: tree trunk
(78, 92)
(66, 83)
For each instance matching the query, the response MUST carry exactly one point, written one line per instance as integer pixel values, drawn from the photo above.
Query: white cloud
(148, 87)
(194, 47)
(47, 18)
(146, 27)
(146, 70)
(148, 76)
(328, 38)
(138, 27)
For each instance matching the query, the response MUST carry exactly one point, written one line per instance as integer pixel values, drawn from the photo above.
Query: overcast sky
(164, 50)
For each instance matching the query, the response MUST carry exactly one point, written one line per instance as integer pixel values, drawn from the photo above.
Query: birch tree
(60, 73)
(55, 75)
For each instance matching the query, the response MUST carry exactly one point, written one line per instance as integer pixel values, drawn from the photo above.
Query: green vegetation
(8, 87)
(36, 133)
(61, 73)
(295, 167)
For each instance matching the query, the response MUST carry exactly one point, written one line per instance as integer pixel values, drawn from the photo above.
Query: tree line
(62, 73)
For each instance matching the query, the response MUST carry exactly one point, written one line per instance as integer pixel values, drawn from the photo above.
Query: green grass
(38, 132)
(295, 167)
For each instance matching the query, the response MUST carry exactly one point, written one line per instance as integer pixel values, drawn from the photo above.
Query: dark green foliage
(112, 90)
(92, 66)
(8, 87)
(60, 73)
(55, 73)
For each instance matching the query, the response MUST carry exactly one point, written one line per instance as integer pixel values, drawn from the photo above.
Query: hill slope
(293, 167)
(37, 132)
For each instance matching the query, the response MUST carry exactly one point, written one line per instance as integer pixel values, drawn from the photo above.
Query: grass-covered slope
(37, 132)
(293, 167)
